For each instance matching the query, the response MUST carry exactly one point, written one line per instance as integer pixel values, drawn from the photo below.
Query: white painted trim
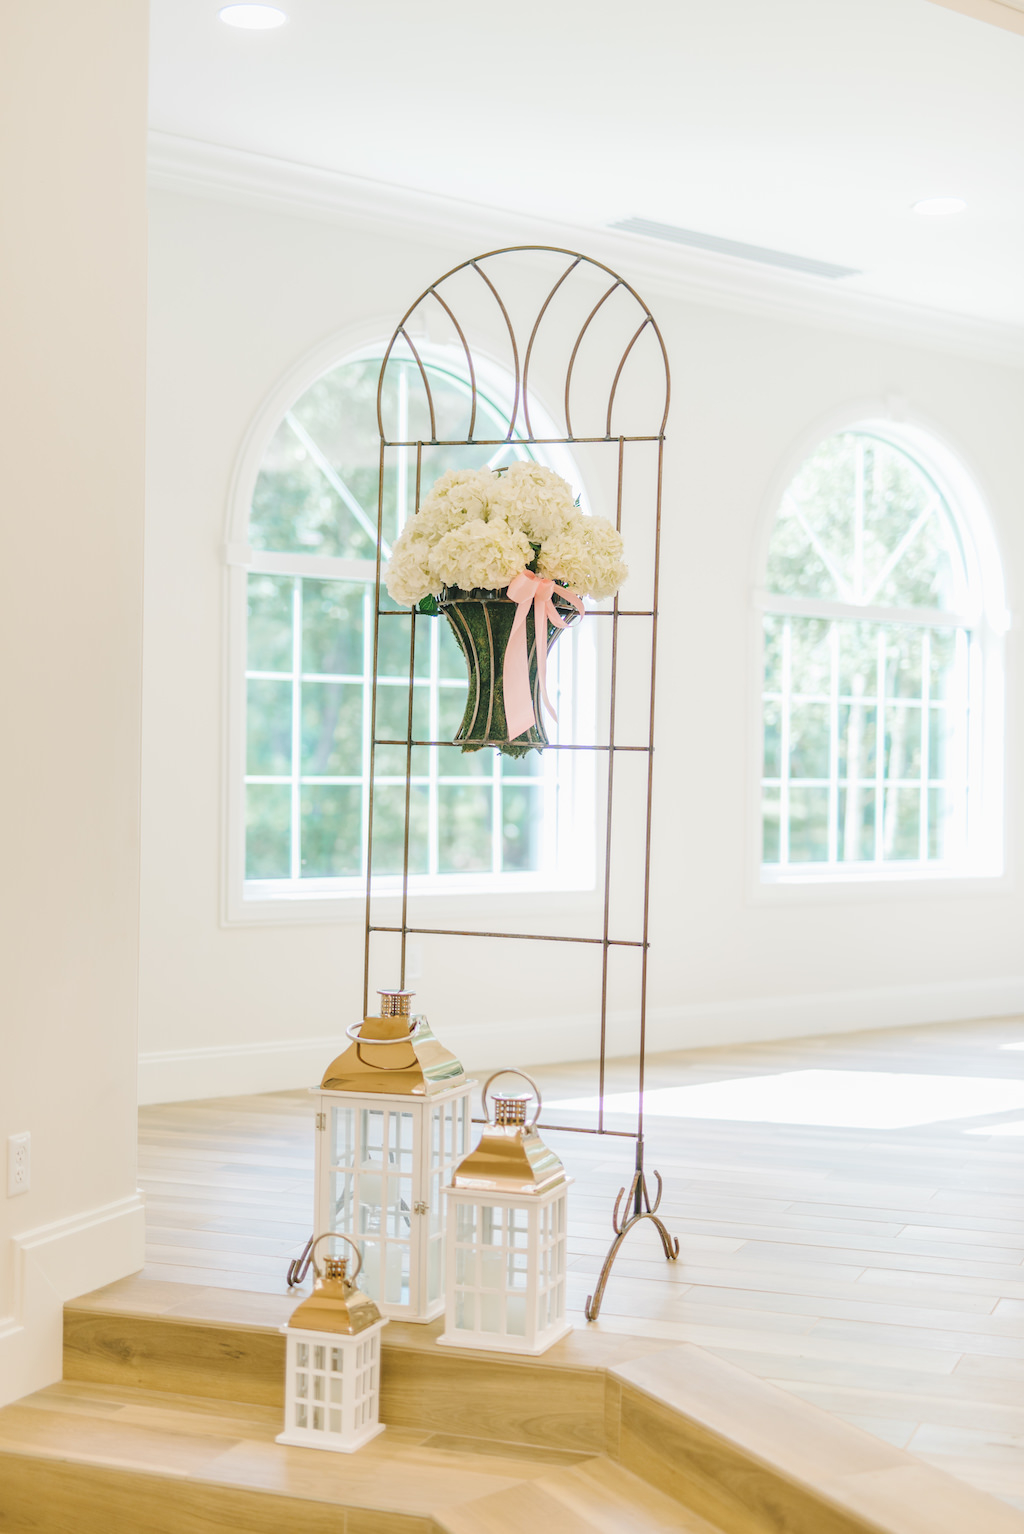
(196, 168)
(345, 901)
(987, 868)
(53, 1264)
(281, 1064)
(229, 1070)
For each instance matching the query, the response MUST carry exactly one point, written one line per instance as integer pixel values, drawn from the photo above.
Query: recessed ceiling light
(255, 18)
(935, 207)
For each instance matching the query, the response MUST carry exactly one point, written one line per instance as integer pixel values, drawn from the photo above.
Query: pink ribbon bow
(529, 590)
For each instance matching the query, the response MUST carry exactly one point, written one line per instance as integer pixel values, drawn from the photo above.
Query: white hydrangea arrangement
(479, 528)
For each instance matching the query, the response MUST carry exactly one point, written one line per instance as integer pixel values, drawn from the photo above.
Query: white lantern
(506, 1246)
(392, 1125)
(332, 1363)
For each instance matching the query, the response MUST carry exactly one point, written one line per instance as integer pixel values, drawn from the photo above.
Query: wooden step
(100, 1459)
(601, 1424)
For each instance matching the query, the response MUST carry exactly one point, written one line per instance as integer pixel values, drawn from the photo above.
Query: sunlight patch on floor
(840, 1099)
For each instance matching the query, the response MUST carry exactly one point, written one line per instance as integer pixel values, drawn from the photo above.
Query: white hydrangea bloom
(408, 576)
(566, 557)
(587, 556)
(479, 528)
(535, 500)
(608, 571)
(459, 496)
(486, 554)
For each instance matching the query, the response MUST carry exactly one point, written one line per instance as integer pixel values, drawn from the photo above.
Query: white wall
(72, 339)
(239, 295)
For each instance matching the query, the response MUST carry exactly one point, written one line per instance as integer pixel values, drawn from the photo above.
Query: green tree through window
(309, 662)
(869, 653)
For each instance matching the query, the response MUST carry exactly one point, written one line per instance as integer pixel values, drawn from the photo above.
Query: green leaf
(428, 605)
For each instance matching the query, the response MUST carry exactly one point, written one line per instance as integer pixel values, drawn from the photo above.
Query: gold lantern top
(394, 1053)
(335, 1305)
(511, 1156)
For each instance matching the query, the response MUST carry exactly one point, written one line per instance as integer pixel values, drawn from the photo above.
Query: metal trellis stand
(443, 298)
(618, 302)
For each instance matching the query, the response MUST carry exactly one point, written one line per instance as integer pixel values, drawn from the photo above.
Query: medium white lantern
(506, 1246)
(332, 1363)
(392, 1125)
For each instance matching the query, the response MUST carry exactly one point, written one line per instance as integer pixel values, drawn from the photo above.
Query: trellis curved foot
(643, 1209)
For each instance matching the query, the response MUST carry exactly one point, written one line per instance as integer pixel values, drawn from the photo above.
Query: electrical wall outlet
(19, 1164)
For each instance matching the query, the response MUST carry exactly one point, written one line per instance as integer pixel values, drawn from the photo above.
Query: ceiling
(806, 126)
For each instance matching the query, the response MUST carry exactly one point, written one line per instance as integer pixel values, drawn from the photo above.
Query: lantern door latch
(420, 1206)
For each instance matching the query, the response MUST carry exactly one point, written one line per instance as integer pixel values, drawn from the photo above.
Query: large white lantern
(506, 1247)
(393, 1123)
(332, 1363)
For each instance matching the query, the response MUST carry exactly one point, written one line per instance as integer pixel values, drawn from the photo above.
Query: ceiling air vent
(721, 247)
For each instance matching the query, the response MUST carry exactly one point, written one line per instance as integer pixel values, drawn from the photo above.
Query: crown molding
(197, 168)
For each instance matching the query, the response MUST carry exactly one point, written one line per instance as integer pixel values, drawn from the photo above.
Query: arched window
(479, 820)
(875, 652)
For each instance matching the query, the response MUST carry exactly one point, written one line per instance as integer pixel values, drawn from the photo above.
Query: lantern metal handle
(511, 1070)
(352, 1032)
(340, 1237)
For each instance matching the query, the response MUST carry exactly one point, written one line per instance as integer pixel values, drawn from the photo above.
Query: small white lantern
(393, 1123)
(332, 1364)
(506, 1245)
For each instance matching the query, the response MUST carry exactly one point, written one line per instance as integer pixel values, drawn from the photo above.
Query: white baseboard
(56, 1263)
(232, 1070)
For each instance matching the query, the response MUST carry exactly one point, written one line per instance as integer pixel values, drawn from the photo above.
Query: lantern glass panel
(492, 1308)
(396, 1290)
(344, 1137)
(465, 1312)
(383, 1165)
(435, 1267)
(507, 1272)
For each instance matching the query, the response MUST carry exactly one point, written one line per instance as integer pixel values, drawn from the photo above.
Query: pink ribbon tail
(528, 590)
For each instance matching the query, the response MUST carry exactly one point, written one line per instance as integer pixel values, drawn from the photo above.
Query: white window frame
(568, 777)
(981, 863)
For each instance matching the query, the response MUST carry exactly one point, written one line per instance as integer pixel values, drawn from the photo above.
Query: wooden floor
(876, 1273)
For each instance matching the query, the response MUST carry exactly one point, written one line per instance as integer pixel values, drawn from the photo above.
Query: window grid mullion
(880, 748)
(496, 813)
(833, 744)
(858, 524)
(784, 742)
(434, 752)
(296, 741)
(926, 715)
(367, 712)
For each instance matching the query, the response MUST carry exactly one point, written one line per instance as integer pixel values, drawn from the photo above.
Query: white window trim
(984, 869)
(573, 888)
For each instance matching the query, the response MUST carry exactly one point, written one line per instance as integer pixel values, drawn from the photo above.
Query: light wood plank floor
(876, 1273)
